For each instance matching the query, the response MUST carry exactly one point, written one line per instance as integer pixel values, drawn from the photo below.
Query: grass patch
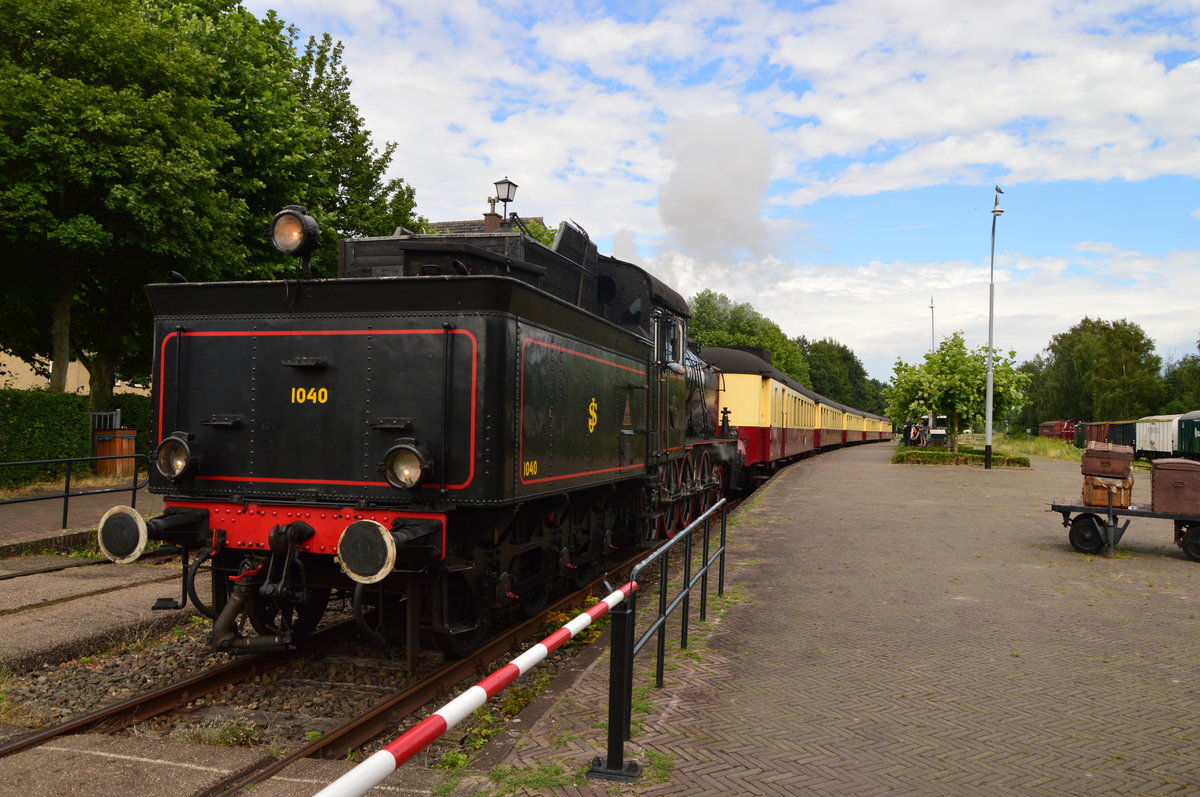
(660, 767)
(12, 711)
(1039, 447)
(556, 620)
(224, 734)
(538, 779)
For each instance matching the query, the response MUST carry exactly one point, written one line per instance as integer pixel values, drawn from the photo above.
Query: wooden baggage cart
(1094, 528)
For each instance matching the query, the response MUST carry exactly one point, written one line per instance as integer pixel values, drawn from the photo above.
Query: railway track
(389, 713)
(382, 716)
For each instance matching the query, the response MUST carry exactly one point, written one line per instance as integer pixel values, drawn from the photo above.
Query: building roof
(472, 225)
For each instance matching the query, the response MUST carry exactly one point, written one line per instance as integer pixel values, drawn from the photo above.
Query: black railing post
(66, 496)
(134, 486)
(625, 646)
(687, 593)
(721, 566)
(620, 700)
(660, 667)
(704, 573)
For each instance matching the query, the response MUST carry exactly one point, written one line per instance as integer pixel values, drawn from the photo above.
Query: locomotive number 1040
(309, 395)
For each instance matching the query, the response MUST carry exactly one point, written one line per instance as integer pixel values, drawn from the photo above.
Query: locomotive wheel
(534, 600)
(707, 494)
(689, 503)
(668, 521)
(716, 480)
(1085, 534)
(303, 617)
(461, 644)
(645, 528)
(1191, 543)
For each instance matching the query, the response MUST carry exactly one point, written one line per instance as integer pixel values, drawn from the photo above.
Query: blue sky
(831, 163)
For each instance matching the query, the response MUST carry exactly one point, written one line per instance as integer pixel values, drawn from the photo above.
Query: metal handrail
(66, 495)
(625, 648)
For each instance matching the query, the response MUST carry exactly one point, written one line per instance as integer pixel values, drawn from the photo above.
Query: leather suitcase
(1096, 490)
(1107, 459)
(1175, 486)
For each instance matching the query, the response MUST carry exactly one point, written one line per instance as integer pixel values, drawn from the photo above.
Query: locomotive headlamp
(174, 457)
(294, 232)
(406, 464)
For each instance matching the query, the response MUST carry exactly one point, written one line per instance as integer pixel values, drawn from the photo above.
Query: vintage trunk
(1107, 459)
(1175, 486)
(1097, 489)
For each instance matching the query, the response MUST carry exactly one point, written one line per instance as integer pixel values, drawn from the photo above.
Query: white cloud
(622, 125)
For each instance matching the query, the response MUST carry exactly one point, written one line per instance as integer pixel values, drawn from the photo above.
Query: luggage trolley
(1095, 527)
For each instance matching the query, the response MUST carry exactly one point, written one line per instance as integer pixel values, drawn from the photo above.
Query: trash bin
(114, 443)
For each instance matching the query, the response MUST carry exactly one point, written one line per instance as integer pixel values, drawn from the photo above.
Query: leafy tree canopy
(838, 374)
(140, 137)
(952, 381)
(1101, 370)
(717, 321)
(1182, 382)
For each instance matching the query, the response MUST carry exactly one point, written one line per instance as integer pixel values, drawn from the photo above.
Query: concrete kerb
(57, 542)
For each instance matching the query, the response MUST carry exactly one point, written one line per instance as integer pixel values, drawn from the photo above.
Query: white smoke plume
(714, 195)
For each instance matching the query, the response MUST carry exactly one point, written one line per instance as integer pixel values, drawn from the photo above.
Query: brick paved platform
(35, 525)
(913, 630)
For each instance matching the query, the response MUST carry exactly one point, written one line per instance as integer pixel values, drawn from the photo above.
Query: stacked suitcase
(1175, 486)
(1106, 476)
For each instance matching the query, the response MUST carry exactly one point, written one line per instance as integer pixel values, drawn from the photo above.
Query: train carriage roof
(755, 360)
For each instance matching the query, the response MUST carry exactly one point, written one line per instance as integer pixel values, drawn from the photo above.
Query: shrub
(925, 456)
(35, 424)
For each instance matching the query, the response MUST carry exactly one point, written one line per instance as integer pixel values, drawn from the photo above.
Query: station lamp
(506, 191)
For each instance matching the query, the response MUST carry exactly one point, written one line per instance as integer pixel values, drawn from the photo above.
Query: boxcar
(1123, 433)
(1189, 435)
(1158, 435)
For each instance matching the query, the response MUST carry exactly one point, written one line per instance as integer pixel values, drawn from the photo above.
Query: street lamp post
(506, 191)
(932, 349)
(987, 443)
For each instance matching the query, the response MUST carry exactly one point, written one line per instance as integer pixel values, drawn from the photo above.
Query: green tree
(1034, 410)
(140, 137)
(1182, 383)
(539, 232)
(356, 199)
(717, 321)
(107, 146)
(1102, 370)
(952, 381)
(837, 373)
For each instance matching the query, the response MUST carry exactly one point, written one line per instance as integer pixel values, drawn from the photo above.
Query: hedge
(35, 424)
(906, 455)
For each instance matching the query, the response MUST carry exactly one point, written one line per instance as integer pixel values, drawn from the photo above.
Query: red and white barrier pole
(373, 770)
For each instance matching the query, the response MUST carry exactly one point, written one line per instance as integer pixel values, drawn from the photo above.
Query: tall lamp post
(932, 349)
(987, 443)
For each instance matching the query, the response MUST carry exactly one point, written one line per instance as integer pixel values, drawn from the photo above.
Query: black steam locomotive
(450, 432)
